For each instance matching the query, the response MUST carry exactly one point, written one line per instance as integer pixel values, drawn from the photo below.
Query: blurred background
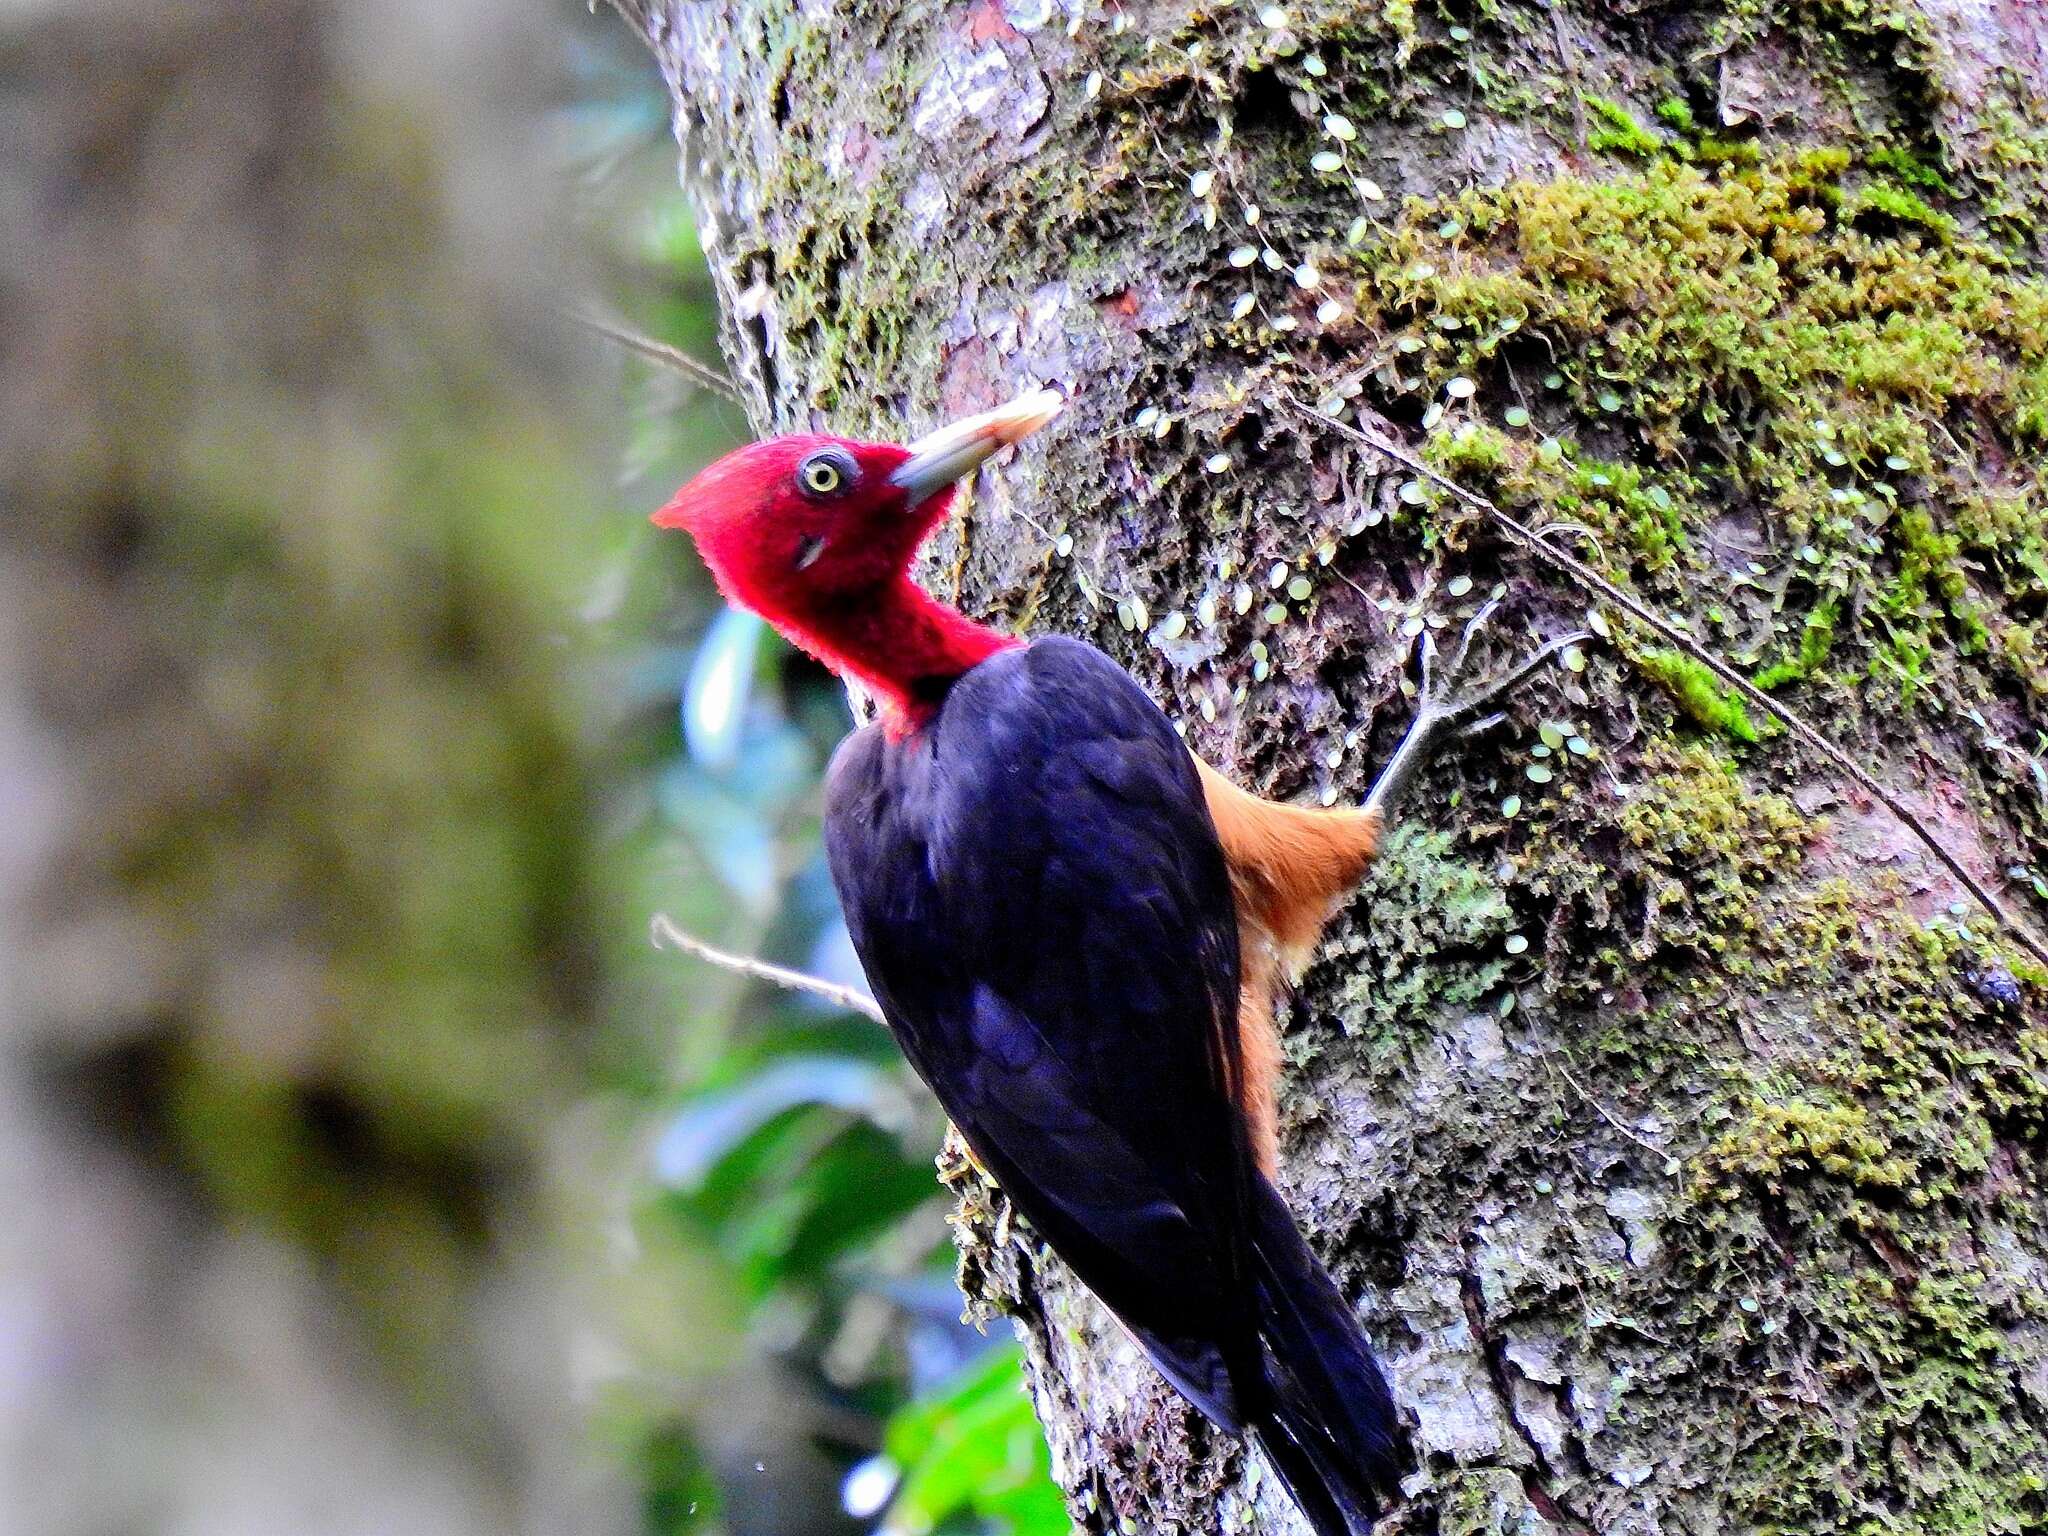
(363, 1166)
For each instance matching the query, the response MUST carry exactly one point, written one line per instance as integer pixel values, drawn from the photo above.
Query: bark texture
(1681, 1143)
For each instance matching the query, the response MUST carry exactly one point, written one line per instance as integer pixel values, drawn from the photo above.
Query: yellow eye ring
(821, 477)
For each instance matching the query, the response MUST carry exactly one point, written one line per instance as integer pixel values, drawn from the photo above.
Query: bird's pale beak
(939, 458)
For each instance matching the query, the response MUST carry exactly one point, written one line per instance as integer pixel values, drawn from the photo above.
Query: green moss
(1900, 206)
(1697, 692)
(1674, 112)
(1754, 338)
(1622, 135)
(1472, 452)
(1399, 16)
(1909, 168)
(1776, 1140)
(1872, 1145)
(1693, 820)
(1432, 944)
(1929, 584)
(1620, 500)
(1816, 639)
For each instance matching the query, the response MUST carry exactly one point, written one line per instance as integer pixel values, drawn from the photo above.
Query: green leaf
(973, 1449)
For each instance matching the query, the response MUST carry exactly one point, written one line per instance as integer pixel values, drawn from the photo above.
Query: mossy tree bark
(1680, 1141)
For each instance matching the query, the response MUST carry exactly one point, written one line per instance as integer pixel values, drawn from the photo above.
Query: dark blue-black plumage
(1037, 894)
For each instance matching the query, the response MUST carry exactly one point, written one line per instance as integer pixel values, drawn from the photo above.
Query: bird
(1076, 930)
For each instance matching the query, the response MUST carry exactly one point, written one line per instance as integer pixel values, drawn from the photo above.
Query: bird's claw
(1443, 709)
(1434, 695)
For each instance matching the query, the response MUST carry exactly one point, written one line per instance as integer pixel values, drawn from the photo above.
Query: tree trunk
(1676, 1128)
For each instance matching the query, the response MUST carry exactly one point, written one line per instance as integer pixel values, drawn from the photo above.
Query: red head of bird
(816, 534)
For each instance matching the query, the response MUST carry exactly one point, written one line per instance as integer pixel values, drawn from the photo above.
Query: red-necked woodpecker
(1075, 930)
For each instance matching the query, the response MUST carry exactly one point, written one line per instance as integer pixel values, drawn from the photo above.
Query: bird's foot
(1445, 710)
(1464, 712)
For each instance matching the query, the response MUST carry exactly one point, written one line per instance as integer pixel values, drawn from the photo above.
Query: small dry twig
(667, 935)
(1593, 581)
(700, 373)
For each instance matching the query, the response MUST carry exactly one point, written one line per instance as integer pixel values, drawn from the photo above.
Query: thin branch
(1593, 581)
(666, 935)
(700, 373)
(1666, 1162)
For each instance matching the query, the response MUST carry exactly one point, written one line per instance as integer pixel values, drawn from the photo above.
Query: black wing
(1038, 897)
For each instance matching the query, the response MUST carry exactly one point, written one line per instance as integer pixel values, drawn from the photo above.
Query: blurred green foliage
(971, 1447)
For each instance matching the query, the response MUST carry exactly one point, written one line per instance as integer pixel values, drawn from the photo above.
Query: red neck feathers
(900, 643)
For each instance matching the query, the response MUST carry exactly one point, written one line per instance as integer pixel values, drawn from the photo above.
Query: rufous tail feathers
(1289, 867)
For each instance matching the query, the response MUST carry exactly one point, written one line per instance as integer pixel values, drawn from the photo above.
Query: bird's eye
(825, 474)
